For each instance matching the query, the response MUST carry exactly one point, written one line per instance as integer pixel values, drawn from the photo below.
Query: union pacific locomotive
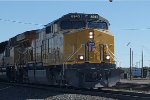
(75, 50)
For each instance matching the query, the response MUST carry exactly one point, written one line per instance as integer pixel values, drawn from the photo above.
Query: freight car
(75, 50)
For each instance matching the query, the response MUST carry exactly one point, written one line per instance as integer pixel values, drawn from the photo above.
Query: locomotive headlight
(107, 57)
(91, 35)
(81, 57)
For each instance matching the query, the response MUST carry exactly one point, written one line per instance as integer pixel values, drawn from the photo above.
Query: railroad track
(120, 95)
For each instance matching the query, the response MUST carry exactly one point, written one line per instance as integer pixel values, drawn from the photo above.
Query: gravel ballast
(24, 93)
(77, 97)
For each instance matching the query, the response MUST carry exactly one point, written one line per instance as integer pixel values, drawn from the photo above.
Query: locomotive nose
(89, 45)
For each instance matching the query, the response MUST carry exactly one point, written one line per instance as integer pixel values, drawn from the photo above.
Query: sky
(129, 19)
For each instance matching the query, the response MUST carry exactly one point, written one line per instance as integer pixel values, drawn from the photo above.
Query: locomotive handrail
(70, 58)
(73, 54)
(109, 51)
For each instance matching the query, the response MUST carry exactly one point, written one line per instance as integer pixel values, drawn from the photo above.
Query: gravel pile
(77, 97)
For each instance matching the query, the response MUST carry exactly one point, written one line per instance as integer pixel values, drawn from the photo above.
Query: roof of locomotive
(13, 40)
(80, 16)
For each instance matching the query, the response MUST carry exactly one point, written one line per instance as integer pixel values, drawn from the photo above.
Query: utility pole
(142, 64)
(132, 60)
(130, 64)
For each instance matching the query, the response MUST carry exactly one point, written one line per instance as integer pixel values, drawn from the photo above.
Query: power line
(134, 29)
(20, 22)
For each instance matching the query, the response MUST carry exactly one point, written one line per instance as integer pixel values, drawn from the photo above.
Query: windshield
(81, 24)
(99, 25)
(72, 24)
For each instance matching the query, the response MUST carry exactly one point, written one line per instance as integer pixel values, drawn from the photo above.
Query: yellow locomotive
(75, 50)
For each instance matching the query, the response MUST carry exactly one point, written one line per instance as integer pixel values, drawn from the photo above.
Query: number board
(85, 16)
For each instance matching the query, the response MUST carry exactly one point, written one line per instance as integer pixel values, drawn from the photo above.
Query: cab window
(72, 24)
(98, 25)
